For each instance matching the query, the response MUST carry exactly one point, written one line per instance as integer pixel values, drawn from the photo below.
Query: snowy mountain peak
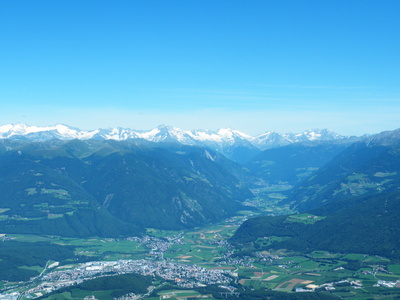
(218, 139)
(313, 135)
(232, 134)
(23, 131)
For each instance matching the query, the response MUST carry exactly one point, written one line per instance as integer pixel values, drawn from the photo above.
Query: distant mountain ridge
(163, 133)
(289, 165)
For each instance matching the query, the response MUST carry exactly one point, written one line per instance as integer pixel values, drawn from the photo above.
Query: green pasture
(80, 294)
(76, 293)
(395, 269)
(277, 188)
(35, 268)
(293, 259)
(62, 296)
(30, 238)
(304, 218)
(192, 254)
(110, 249)
(213, 232)
(267, 200)
(277, 196)
(57, 193)
(387, 277)
(384, 174)
(309, 265)
(246, 272)
(256, 284)
(178, 293)
(324, 254)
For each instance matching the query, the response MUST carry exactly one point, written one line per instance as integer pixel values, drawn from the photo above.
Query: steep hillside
(366, 167)
(368, 225)
(164, 189)
(110, 188)
(36, 198)
(352, 204)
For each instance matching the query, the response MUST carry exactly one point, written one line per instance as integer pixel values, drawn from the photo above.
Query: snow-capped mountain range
(215, 139)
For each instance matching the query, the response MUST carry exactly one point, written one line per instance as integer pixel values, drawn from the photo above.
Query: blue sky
(250, 65)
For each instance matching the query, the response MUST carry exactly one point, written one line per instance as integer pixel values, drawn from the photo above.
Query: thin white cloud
(318, 87)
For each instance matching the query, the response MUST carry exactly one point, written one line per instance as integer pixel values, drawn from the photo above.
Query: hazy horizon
(183, 129)
(258, 66)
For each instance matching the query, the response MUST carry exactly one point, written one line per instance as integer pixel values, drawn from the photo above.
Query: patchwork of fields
(353, 276)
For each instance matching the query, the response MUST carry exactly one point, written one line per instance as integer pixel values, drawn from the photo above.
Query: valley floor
(201, 262)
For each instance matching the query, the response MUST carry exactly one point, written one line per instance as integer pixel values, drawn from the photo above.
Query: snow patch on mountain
(209, 156)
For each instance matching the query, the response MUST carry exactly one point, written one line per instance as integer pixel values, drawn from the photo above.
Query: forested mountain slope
(111, 188)
(369, 225)
(365, 168)
(352, 204)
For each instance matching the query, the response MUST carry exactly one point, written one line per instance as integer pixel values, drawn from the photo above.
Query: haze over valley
(205, 149)
(155, 191)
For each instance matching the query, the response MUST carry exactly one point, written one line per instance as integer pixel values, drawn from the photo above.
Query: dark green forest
(16, 255)
(369, 225)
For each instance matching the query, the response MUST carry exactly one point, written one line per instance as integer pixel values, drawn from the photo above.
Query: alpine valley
(173, 214)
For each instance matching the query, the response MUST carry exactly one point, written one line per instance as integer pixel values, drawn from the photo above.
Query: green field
(81, 294)
(304, 218)
(206, 246)
(178, 294)
(394, 269)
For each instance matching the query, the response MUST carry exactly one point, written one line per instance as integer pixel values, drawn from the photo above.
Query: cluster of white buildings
(182, 274)
(10, 296)
(388, 284)
(157, 246)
